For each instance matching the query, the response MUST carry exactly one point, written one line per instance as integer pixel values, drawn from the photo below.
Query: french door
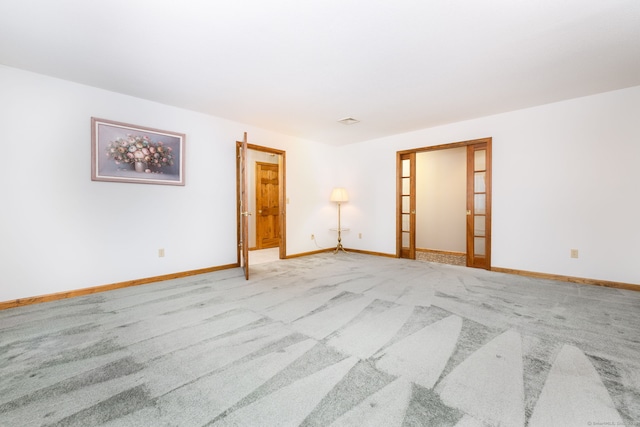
(406, 188)
(478, 206)
(478, 225)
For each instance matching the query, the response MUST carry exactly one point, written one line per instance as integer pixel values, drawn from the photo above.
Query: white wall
(441, 200)
(368, 172)
(61, 231)
(565, 175)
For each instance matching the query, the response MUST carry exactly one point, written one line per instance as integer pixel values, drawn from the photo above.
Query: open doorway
(266, 204)
(441, 188)
(469, 216)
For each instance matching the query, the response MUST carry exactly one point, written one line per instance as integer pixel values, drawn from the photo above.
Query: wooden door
(406, 206)
(479, 205)
(267, 206)
(243, 213)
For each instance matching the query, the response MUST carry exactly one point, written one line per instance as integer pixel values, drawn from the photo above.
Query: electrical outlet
(574, 253)
(359, 235)
(313, 237)
(161, 252)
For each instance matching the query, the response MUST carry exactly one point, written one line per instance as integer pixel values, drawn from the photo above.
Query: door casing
(408, 192)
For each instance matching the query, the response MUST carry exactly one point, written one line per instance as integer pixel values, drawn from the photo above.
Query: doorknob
(246, 213)
(260, 211)
(468, 212)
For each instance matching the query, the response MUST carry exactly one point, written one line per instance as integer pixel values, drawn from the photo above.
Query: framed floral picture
(122, 152)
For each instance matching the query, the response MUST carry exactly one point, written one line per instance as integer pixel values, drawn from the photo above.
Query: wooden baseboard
(355, 251)
(580, 280)
(358, 251)
(307, 253)
(103, 288)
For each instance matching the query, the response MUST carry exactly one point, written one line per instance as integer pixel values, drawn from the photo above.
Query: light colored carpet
(345, 339)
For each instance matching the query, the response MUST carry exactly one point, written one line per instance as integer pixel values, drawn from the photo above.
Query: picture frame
(122, 152)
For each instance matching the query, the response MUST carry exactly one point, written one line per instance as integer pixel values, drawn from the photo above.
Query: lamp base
(339, 248)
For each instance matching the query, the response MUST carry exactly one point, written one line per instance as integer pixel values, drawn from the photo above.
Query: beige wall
(441, 200)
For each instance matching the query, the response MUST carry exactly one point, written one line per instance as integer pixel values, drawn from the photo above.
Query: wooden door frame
(282, 175)
(404, 153)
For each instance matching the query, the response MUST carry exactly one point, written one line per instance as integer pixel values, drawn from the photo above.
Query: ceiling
(297, 67)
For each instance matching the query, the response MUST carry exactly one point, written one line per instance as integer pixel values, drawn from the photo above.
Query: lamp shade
(339, 195)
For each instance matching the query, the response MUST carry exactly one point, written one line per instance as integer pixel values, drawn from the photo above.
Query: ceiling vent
(348, 121)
